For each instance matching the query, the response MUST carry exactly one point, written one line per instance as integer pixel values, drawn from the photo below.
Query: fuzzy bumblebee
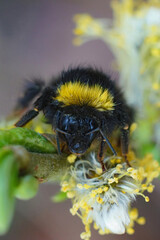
(82, 104)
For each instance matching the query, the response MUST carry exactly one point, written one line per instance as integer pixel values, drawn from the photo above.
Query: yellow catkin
(143, 175)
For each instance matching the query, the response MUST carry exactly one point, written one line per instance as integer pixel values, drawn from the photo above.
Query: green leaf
(8, 183)
(27, 188)
(31, 140)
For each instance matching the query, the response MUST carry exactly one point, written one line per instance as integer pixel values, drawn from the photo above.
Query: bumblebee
(82, 104)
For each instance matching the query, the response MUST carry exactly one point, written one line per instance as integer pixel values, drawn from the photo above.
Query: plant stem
(47, 167)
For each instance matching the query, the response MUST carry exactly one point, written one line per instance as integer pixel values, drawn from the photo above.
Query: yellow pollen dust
(147, 199)
(111, 180)
(93, 194)
(86, 186)
(119, 167)
(99, 200)
(81, 94)
(71, 158)
(85, 235)
(96, 227)
(130, 231)
(99, 171)
(79, 185)
(141, 221)
(134, 214)
(150, 188)
(65, 186)
(70, 194)
(39, 129)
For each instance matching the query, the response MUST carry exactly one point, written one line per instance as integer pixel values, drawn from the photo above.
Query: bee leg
(27, 117)
(108, 142)
(50, 137)
(54, 140)
(100, 154)
(124, 143)
(39, 105)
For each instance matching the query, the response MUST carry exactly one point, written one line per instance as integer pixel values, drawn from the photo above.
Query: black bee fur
(31, 90)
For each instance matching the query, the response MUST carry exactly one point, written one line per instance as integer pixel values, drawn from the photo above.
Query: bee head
(77, 131)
